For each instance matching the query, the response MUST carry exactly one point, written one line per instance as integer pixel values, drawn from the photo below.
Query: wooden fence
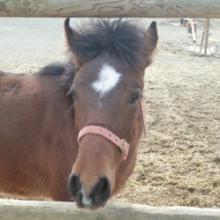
(35, 210)
(110, 8)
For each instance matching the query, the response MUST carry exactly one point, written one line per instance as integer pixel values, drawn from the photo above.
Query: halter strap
(122, 144)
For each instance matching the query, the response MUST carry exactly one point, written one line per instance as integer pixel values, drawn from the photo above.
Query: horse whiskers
(69, 92)
(71, 108)
(141, 115)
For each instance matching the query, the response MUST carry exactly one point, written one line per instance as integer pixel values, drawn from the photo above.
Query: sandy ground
(179, 159)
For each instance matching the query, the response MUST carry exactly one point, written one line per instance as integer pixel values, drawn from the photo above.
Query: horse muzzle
(98, 197)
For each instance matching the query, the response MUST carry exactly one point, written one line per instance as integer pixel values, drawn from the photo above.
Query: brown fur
(37, 139)
(39, 126)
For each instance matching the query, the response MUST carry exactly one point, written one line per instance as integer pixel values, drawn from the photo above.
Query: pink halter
(122, 144)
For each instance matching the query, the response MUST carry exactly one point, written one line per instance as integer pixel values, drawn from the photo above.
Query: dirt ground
(179, 159)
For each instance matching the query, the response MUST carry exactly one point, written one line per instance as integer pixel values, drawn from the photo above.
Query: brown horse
(71, 131)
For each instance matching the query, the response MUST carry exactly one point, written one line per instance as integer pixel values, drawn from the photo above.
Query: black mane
(66, 71)
(121, 39)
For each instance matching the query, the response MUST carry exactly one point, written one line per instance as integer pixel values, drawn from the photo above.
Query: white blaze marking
(87, 202)
(108, 78)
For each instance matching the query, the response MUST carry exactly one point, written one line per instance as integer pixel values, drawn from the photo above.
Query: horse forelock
(119, 38)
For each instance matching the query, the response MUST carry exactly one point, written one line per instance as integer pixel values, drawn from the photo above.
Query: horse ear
(151, 37)
(71, 38)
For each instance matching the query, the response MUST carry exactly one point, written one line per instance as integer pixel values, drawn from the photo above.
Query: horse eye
(134, 98)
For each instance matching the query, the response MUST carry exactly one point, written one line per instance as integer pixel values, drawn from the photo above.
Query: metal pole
(207, 35)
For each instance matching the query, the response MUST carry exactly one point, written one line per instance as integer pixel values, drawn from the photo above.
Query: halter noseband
(122, 144)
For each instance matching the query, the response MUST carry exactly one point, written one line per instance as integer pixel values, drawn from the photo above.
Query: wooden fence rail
(110, 8)
(35, 210)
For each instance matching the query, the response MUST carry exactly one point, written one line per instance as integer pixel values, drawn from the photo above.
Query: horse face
(106, 97)
(106, 92)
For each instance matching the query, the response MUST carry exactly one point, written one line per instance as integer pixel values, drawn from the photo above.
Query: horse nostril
(98, 196)
(74, 185)
(101, 191)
